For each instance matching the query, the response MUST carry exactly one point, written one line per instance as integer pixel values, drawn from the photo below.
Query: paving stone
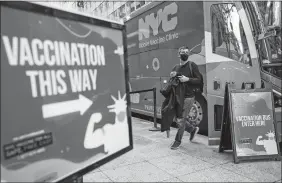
(180, 164)
(96, 177)
(141, 141)
(140, 172)
(259, 171)
(151, 152)
(130, 157)
(215, 174)
(205, 153)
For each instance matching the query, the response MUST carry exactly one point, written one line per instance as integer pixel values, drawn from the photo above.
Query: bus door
(231, 56)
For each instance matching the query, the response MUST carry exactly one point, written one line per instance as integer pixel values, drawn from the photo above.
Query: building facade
(117, 10)
(114, 10)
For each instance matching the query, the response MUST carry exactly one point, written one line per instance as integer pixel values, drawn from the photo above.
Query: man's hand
(183, 78)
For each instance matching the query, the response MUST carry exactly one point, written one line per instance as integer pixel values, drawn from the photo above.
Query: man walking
(188, 74)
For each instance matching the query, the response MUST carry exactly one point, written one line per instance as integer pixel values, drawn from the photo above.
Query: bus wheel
(198, 114)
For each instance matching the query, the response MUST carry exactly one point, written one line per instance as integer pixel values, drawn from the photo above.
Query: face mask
(184, 57)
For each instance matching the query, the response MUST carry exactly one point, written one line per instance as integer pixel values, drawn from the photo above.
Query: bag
(165, 91)
(199, 87)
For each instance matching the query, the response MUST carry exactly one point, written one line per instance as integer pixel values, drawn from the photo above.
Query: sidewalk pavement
(151, 160)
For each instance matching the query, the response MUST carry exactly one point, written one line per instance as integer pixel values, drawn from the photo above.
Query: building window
(116, 13)
(111, 7)
(105, 9)
(148, 1)
(97, 12)
(80, 4)
(122, 12)
(139, 4)
(228, 36)
(117, 4)
(106, 4)
(131, 6)
(111, 16)
(142, 3)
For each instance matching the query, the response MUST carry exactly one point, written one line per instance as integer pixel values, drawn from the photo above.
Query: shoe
(175, 145)
(192, 134)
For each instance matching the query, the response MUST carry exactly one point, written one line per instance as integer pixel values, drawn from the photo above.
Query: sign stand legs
(225, 139)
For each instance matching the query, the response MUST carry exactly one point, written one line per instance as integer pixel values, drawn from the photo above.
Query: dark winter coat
(173, 103)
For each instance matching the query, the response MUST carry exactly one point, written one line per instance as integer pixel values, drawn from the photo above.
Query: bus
(222, 37)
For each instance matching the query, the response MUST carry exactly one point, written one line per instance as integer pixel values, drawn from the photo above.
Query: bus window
(228, 36)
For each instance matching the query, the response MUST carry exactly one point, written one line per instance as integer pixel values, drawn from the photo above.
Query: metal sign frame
(237, 158)
(55, 12)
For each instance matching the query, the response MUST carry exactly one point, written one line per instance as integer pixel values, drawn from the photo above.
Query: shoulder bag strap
(190, 67)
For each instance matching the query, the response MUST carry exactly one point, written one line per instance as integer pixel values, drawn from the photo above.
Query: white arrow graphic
(57, 109)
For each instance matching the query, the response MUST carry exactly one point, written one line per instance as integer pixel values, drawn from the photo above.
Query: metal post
(154, 90)
(155, 108)
(155, 128)
(73, 179)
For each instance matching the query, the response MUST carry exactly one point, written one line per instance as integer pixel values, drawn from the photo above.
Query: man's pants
(184, 123)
